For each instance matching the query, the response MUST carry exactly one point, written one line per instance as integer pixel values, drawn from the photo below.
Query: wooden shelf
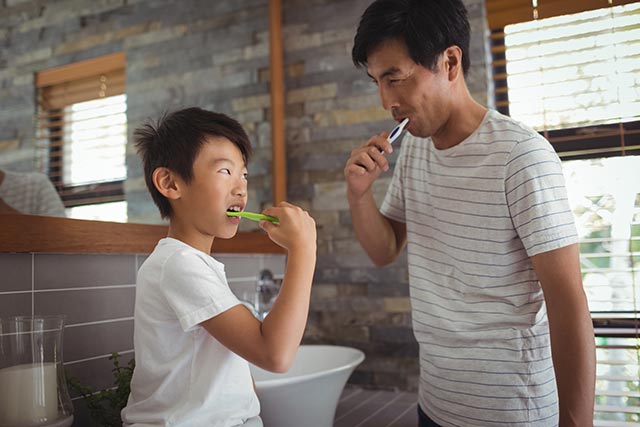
(29, 233)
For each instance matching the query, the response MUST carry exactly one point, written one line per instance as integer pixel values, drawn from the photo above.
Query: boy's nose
(240, 190)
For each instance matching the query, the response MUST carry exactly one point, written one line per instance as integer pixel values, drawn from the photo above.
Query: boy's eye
(245, 175)
(225, 170)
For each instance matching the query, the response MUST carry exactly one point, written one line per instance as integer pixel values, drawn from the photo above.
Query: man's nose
(388, 98)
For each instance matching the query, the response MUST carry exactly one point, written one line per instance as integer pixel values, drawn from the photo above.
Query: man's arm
(572, 339)
(382, 238)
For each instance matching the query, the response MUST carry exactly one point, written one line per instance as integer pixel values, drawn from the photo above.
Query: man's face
(219, 184)
(408, 89)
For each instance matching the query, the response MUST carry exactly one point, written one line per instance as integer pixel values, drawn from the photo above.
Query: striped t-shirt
(475, 214)
(31, 193)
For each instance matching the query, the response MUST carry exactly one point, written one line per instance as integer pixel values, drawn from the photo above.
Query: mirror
(220, 59)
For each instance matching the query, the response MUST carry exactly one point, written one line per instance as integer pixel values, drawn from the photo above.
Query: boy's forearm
(284, 327)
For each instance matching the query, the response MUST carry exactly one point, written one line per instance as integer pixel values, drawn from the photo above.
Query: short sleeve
(48, 202)
(537, 197)
(195, 288)
(393, 204)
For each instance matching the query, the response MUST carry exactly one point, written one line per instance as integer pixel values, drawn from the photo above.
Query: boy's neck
(190, 236)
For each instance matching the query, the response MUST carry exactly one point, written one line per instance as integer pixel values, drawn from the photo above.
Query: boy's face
(219, 183)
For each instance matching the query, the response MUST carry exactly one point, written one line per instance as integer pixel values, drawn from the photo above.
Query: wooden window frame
(53, 96)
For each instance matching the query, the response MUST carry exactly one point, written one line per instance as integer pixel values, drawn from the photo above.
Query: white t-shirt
(31, 193)
(184, 376)
(475, 214)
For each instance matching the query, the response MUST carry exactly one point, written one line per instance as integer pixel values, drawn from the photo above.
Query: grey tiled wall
(96, 293)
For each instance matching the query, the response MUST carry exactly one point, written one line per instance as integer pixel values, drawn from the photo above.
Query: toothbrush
(254, 216)
(395, 133)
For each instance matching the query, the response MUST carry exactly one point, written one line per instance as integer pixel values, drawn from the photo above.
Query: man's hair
(175, 141)
(427, 27)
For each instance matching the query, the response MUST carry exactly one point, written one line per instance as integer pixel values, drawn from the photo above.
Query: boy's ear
(165, 182)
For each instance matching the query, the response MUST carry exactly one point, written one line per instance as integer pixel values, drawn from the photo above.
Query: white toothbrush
(395, 133)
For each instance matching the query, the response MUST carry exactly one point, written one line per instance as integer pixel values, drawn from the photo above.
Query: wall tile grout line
(33, 283)
(16, 292)
(99, 322)
(102, 356)
(85, 288)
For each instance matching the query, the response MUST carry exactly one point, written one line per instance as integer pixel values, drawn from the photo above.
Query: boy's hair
(427, 27)
(175, 141)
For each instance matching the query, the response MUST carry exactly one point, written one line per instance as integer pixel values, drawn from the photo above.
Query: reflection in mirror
(157, 60)
(28, 193)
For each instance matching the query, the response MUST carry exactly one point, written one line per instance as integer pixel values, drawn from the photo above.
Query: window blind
(574, 79)
(605, 200)
(501, 13)
(81, 131)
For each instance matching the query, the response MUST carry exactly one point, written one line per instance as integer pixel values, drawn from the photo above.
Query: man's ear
(452, 58)
(165, 182)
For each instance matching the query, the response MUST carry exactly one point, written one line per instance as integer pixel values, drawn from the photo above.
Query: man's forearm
(373, 231)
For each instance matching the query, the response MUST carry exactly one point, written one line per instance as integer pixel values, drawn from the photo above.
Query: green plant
(105, 405)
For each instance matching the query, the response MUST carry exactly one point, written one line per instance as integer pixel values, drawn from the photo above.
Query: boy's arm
(272, 344)
(571, 328)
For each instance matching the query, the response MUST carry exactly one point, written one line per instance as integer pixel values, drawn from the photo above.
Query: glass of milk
(33, 389)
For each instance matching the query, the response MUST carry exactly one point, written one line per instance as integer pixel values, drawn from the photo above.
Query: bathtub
(308, 394)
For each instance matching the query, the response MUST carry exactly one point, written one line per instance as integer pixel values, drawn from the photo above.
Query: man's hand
(366, 163)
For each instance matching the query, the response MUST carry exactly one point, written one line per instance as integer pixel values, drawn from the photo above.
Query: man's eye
(394, 82)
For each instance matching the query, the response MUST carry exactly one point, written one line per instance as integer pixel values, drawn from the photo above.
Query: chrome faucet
(265, 295)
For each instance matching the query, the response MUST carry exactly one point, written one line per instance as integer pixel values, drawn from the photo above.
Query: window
(569, 69)
(82, 135)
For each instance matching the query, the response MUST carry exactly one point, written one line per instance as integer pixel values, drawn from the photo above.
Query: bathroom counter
(376, 408)
(30, 233)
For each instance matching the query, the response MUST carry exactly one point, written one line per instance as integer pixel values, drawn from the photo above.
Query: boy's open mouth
(235, 209)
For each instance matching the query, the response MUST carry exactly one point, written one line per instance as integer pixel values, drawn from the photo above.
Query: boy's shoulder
(174, 254)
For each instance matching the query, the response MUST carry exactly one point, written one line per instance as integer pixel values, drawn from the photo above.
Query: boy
(193, 338)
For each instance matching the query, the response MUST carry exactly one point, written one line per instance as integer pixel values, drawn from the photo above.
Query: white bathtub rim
(277, 382)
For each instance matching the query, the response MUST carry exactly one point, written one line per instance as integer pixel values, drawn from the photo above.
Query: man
(28, 193)
(498, 307)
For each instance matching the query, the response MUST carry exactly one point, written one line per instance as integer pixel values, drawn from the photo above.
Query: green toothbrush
(254, 216)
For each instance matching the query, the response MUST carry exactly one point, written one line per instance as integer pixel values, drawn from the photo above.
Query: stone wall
(214, 54)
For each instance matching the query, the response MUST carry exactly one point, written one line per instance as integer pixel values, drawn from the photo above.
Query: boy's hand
(296, 231)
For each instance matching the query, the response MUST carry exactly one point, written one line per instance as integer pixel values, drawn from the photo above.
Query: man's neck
(464, 118)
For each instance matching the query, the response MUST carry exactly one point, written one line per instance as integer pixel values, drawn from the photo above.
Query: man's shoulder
(508, 127)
